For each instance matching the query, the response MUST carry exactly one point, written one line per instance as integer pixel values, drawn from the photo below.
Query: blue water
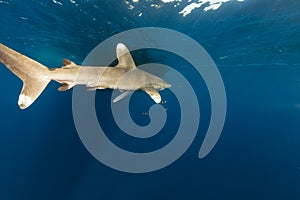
(256, 47)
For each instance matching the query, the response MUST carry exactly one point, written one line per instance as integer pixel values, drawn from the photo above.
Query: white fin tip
(24, 101)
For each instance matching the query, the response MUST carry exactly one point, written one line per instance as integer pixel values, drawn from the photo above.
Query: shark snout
(168, 85)
(164, 84)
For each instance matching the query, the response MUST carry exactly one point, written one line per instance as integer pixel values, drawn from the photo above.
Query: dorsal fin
(125, 59)
(68, 64)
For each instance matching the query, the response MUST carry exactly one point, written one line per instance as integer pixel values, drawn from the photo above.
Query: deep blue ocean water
(256, 47)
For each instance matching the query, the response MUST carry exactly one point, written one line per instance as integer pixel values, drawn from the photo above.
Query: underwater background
(256, 47)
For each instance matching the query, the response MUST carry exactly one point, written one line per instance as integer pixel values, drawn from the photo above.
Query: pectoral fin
(153, 94)
(91, 88)
(121, 96)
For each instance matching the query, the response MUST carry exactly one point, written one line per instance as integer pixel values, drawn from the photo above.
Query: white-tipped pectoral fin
(153, 94)
(92, 88)
(24, 101)
(122, 96)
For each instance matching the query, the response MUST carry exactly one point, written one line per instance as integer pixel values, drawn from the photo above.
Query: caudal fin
(33, 74)
(32, 88)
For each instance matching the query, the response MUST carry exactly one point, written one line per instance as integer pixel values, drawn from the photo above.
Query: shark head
(158, 84)
(137, 79)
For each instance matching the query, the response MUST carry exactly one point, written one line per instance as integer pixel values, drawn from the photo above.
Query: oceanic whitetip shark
(125, 76)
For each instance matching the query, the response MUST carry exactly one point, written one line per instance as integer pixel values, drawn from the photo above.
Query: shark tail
(35, 76)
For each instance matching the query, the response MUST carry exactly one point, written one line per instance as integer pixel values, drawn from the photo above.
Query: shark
(125, 76)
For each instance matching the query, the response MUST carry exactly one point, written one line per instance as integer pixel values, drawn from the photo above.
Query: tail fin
(33, 74)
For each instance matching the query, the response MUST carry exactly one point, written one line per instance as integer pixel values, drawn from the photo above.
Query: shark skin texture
(125, 76)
